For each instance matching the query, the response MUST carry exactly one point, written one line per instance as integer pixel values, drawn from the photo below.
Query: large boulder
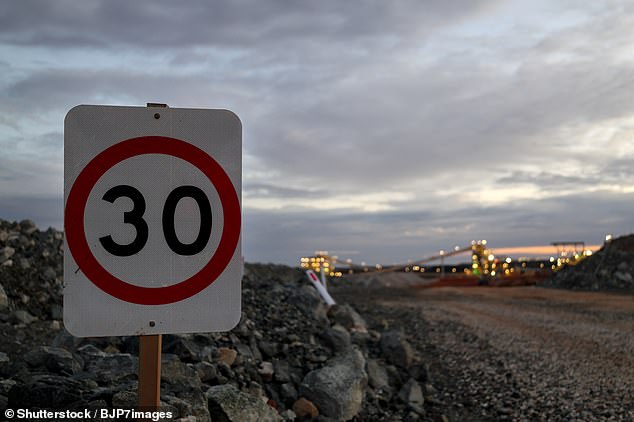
(338, 388)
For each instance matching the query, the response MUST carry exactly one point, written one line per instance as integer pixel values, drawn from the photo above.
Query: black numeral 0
(169, 210)
(135, 217)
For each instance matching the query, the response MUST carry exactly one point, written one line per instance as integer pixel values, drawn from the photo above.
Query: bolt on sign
(152, 220)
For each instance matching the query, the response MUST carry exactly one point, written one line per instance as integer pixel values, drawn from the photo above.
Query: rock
(227, 403)
(181, 380)
(396, 349)
(337, 389)
(6, 253)
(186, 349)
(53, 359)
(281, 371)
(337, 338)
(308, 301)
(125, 399)
(4, 299)
(27, 226)
(411, 393)
(113, 367)
(66, 340)
(288, 415)
(57, 312)
(173, 371)
(227, 356)
(244, 351)
(206, 371)
(623, 266)
(348, 317)
(288, 394)
(377, 375)
(268, 349)
(266, 371)
(47, 391)
(623, 276)
(305, 408)
(419, 371)
(49, 273)
(181, 407)
(22, 316)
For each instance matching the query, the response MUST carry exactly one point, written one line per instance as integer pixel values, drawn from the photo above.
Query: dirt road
(521, 353)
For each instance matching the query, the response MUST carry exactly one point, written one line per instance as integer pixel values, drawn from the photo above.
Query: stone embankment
(289, 358)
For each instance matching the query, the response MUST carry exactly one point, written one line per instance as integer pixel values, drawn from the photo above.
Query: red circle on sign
(97, 167)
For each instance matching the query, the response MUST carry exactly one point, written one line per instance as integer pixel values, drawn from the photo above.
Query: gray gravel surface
(518, 354)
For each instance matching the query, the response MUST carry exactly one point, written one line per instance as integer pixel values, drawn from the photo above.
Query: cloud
(396, 236)
(366, 127)
(165, 24)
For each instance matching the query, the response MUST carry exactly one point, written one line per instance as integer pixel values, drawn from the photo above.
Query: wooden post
(149, 393)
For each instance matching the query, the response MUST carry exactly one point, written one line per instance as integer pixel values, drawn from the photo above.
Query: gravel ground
(521, 354)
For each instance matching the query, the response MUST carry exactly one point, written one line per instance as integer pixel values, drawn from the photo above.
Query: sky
(379, 131)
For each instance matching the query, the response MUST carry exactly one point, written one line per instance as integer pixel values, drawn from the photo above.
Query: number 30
(135, 218)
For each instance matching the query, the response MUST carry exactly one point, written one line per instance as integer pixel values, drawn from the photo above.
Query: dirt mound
(610, 268)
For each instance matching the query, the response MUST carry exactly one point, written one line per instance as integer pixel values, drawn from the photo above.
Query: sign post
(149, 391)
(153, 225)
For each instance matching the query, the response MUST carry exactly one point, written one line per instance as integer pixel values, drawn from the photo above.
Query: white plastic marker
(320, 287)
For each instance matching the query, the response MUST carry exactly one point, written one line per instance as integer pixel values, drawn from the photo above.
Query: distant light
(552, 259)
(608, 237)
(442, 252)
(484, 242)
(493, 273)
(588, 252)
(474, 265)
(491, 257)
(508, 260)
(456, 248)
(453, 270)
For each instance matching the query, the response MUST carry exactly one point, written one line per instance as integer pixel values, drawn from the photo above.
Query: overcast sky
(378, 130)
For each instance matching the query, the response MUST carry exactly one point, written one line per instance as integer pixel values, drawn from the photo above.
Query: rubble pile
(610, 268)
(290, 357)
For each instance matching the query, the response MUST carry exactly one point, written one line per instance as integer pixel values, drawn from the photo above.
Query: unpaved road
(521, 353)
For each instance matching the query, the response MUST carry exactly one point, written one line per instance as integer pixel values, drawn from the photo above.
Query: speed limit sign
(152, 220)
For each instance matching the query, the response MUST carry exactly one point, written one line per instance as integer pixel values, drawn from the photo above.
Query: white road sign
(152, 220)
